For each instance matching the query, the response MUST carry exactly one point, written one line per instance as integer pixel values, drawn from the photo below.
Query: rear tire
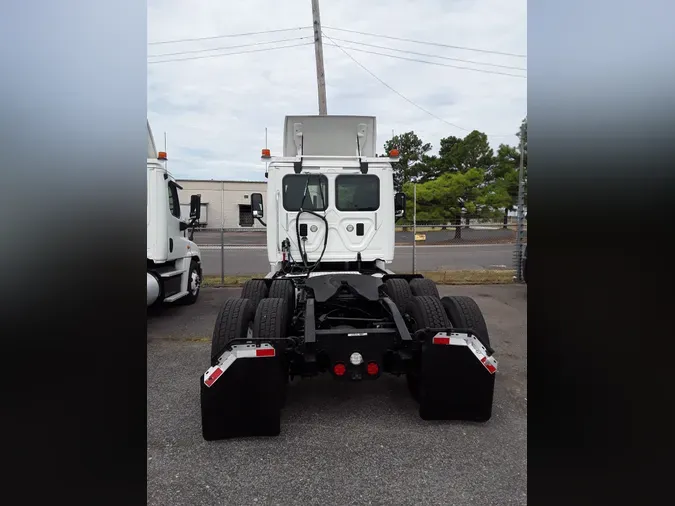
(463, 312)
(271, 321)
(422, 286)
(284, 289)
(235, 320)
(255, 290)
(427, 312)
(399, 292)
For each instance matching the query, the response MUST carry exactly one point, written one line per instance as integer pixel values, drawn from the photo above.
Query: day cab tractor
(174, 268)
(329, 304)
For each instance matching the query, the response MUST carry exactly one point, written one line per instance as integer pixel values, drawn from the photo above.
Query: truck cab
(173, 260)
(329, 305)
(330, 199)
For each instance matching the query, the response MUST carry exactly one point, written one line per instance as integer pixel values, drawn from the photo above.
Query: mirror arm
(261, 221)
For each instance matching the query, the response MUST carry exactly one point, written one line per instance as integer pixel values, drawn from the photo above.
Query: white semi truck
(174, 260)
(329, 303)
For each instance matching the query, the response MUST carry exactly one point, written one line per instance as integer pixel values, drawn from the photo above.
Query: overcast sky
(215, 110)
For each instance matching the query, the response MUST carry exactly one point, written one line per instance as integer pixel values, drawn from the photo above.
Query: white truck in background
(173, 260)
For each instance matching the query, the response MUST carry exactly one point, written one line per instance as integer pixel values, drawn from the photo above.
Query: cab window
(357, 192)
(174, 204)
(309, 191)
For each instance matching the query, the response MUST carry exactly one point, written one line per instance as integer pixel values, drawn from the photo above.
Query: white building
(224, 203)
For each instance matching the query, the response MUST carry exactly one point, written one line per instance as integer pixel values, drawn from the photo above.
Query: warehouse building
(224, 203)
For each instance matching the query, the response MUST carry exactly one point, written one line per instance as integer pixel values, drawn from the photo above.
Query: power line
(431, 55)
(228, 47)
(434, 62)
(400, 94)
(429, 43)
(229, 35)
(229, 54)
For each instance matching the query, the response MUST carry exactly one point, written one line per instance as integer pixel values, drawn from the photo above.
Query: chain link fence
(470, 246)
(428, 232)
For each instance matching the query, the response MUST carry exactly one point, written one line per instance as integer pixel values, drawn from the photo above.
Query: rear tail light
(339, 369)
(264, 352)
(373, 369)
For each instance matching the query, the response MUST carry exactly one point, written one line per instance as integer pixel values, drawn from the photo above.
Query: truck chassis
(355, 325)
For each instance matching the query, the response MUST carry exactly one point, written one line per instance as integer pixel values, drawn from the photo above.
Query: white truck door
(309, 192)
(355, 220)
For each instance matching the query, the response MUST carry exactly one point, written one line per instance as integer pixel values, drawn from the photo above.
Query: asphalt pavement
(341, 443)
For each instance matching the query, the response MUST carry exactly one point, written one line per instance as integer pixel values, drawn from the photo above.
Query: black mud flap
(455, 383)
(245, 400)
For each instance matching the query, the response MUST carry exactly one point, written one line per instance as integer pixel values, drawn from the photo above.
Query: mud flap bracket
(457, 377)
(242, 395)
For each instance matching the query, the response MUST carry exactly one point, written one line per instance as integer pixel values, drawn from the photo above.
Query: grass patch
(434, 228)
(458, 277)
(471, 277)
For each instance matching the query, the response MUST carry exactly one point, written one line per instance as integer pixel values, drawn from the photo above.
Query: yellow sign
(420, 237)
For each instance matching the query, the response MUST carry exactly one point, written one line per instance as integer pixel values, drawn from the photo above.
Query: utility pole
(521, 201)
(318, 53)
(414, 252)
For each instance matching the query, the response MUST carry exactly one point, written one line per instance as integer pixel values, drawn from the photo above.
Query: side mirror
(195, 207)
(257, 205)
(399, 205)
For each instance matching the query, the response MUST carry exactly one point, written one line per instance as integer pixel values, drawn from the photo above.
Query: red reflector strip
(214, 376)
(265, 352)
(441, 340)
(491, 368)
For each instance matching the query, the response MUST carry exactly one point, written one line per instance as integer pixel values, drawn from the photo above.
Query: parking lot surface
(340, 443)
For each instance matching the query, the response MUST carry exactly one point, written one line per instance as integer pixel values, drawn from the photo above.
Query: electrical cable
(175, 41)
(473, 62)
(483, 71)
(303, 254)
(230, 54)
(464, 48)
(401, 94)
(223, 48)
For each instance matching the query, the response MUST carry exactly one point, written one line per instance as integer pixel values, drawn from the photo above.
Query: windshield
(357, 193)
(294, 191)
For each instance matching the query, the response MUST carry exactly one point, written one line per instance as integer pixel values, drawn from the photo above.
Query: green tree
(522, 134)
(411, 151)
(447, 196)
(471, 152)
(506, 169)
(505, 174)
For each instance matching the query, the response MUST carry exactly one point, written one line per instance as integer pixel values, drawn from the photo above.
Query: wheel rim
(194, 283)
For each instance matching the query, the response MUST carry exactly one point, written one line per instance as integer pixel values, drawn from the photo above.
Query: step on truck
(329, 304)
(173, 259)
